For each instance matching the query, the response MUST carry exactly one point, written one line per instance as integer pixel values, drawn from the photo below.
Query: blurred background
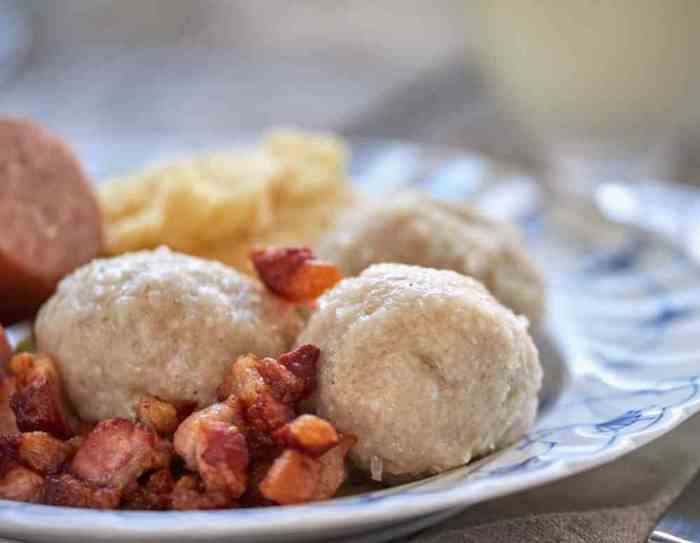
(122, 78)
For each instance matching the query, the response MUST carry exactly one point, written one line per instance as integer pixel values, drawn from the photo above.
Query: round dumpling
(156, 323)
(411, 228)
(424, 367)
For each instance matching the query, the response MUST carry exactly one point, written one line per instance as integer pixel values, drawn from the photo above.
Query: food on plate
(156, 323)
(410, 228)
(49, 217)
(287, 190)
(159, 380)
(37, 398)
(249, 448)
(424, 367)
(294, 273)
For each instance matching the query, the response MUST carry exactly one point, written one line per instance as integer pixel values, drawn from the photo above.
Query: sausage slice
(49, 216)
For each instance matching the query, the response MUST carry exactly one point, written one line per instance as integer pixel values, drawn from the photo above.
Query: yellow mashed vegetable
(287, 190)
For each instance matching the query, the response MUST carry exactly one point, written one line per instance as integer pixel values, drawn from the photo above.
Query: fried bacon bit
(187, 440)
(223, 461)
(153, 496)
(251, 376)
(264, 410)
(269, 390)
(157, 414)
(246, 380)
(8, 423)
(212, 444)
(251, 446)
(38, 401)
(42, 453)
(160, 482)
(302, 363)
(333, 471)
(293, 478)
(9, 452)
(69, 491)
(117, 452)
(308, 433)
(283, 384)
(294, 273)
(266, 414)
(19, 483)
(189, 495)
(5, 350)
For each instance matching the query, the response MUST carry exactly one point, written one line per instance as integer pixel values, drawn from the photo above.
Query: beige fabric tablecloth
(617, 503)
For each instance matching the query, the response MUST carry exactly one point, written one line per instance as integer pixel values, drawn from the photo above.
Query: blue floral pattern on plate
(624, 311)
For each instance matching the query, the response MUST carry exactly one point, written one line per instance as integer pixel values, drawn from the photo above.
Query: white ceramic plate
(623, 311)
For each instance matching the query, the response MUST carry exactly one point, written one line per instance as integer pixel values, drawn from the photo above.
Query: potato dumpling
(410, 228)
(157, 323)
(424, 367)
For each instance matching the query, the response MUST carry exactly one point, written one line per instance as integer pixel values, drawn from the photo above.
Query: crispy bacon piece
(42, 453)
(8, 423)
(333, 470)
(308, 433)
(262, 408)
(5, 350)
(19, 483)
(268, 391)
(69, 491)
(160, 482)
(157, 414)
(293, 273)
(186, 438)
(252, 376)
(292, 478)
(223, 459)
(266, 414)
(246, 381)
(38, 401)
(302, 362)
(189, 494)
(295, 477)
(9, 450)
(212, 444)
(117, 452)
(152, 496)
(282, 383)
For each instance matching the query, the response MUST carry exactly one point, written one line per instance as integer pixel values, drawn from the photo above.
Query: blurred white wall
(99, 67)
